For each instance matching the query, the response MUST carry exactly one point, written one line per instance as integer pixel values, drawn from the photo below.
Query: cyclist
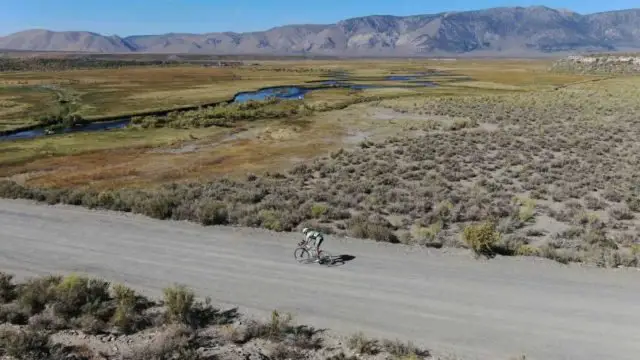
(312, 237)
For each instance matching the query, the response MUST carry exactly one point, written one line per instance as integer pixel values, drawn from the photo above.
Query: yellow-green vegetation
(481, 238)
(104, 315)
(104, 92)
(24, 105)
(527, 208)
(95, 92)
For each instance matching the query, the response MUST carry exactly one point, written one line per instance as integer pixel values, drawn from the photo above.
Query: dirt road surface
(447, 301)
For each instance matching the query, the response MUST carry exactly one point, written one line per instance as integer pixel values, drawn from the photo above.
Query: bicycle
(303, 254)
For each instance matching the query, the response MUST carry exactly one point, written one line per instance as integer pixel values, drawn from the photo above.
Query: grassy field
(94, 93)
(514, 160)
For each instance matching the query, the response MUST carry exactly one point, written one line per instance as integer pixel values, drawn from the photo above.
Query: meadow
(502, 157)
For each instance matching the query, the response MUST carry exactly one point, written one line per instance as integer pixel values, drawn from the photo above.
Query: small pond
(284, 92)
(97, 126)
(402, 77)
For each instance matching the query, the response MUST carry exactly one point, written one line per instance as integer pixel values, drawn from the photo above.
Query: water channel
(280, 92)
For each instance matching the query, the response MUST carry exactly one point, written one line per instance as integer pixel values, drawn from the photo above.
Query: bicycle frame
(307, 246)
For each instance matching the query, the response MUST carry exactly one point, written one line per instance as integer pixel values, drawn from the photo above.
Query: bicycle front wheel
(302, 255)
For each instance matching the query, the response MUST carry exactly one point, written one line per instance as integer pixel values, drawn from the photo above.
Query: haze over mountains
(507, 30)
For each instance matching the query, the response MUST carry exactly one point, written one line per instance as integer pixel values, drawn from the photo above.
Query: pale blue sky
(137, 17)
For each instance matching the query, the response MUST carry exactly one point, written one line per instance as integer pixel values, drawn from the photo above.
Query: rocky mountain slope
(506, 30)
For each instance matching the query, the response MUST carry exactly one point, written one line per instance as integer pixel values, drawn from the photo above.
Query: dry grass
(137, 158)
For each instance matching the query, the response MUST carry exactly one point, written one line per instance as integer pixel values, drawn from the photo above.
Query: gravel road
(447, 301)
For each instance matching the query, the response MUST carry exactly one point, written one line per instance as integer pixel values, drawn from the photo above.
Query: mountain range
(504, 30)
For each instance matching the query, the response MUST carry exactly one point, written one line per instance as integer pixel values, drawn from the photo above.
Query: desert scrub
(77, 295)
(363, 345)
(183, 308)
(128, 316)
(75, 302)
(318, 210)
(7, 288)
(366, 228)
(35, 294)
(481, 238)
(25, 344)
(179, 301)
(428, 236)
(30, 344)
(527, 208)
(175, 342)
(280, 329)
(279, 335)
(559, 154)
(403, 350)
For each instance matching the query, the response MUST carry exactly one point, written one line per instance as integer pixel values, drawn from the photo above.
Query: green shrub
(125, 318)
(7, 288)
(361, 227)
(156, 205)
(12, 313)
(210, 212)
(79, 295)
(12, 190)
(25, 344)
(527, 209)
(36, 293)
(318, 210)
(271, 220)
(278, 326)
(427, 235)
(527, 250)
(179, 301)
(633, 203)
(274, 330)
(481, 238)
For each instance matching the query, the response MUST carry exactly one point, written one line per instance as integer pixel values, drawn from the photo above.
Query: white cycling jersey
(313, 237)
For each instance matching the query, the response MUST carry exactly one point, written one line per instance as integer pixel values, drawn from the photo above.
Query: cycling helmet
(305, 231)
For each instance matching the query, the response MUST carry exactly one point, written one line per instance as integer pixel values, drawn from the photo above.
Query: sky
(140, 17)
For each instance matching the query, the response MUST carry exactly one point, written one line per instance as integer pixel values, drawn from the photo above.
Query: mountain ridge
(533, 30)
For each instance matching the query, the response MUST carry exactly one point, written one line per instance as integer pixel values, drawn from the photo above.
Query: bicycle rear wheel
(302, 255)
(325, 258)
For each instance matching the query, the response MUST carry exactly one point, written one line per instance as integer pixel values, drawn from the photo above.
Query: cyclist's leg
(319, 241)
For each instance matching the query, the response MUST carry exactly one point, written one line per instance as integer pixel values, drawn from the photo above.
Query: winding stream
(281, 92)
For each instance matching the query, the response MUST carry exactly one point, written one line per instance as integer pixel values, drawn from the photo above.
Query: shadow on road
(341, 260)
